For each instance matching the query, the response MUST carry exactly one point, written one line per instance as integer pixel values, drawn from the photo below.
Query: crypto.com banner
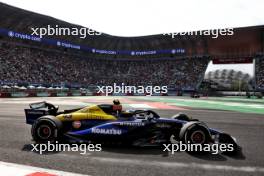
(66, 44)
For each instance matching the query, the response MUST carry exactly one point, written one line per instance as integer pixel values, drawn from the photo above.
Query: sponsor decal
(36, 112)
(179, 50)
(67, 116)
(91, 116)
(23, 36)
(163, 125)
(69, 45)
(76, 124)
(132, 124)
(103, 51)
(141, 53)
(106, 131)
(11, 34)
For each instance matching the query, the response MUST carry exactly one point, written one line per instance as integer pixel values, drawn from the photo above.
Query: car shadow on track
(159, 151)
(150, 151)
(135, 150)
(219, 157)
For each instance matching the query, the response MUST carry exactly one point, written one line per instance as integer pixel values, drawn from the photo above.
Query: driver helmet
(117, 105)
(116, 102)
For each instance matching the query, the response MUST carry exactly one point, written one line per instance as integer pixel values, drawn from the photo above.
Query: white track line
(191, 165)
(10, 169)
(183, 165)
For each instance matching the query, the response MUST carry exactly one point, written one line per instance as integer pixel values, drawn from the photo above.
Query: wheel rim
(198, 137)
(44, 131)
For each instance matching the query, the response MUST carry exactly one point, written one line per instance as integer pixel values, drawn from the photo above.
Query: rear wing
(34, 114)
(36, 111)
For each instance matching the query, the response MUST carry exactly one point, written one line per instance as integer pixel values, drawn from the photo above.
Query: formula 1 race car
(108, 122)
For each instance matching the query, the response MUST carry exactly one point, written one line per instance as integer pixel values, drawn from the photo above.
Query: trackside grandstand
(99, 60)
(23, 65)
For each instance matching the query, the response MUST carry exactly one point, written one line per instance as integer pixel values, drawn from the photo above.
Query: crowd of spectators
(259, 71)
(31, 65)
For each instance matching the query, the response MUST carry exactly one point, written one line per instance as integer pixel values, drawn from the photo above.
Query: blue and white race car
(109, 123)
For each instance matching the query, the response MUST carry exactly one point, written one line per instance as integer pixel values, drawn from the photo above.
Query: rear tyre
(44, 130)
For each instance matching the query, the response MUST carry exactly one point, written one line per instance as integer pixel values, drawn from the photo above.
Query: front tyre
(196, 135)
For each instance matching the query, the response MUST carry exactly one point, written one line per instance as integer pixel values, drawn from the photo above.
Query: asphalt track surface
(247, 128)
